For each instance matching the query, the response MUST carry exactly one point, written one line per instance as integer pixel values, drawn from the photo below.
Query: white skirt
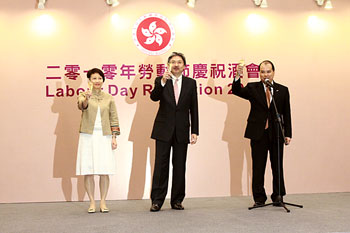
(95, 154)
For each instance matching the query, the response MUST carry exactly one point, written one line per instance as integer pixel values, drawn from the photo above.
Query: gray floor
(321, 213)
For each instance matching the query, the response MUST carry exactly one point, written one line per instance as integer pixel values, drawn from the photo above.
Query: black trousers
(161, 172)
(267, 143)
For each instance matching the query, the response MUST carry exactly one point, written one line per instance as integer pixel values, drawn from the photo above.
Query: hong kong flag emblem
(153, 34)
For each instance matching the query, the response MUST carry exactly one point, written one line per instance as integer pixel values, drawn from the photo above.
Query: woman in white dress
(97, 141)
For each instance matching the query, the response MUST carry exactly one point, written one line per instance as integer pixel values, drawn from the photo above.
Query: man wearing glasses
(177, 113)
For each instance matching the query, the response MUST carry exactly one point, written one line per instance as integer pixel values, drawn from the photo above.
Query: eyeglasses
(176, 62)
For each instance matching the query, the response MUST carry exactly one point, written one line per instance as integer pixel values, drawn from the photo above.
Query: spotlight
(191, 3)
(328, 5)
(260, 3)
(41, 4)
(263, 4)
(319, 2)
(112, 3)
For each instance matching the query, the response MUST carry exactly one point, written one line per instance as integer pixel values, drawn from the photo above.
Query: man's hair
(267, 61)
(177, 54)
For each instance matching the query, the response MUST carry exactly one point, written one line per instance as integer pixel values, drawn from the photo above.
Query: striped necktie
(268, 97)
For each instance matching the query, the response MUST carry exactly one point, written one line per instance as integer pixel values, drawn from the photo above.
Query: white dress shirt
(179, 82)
(271, 91)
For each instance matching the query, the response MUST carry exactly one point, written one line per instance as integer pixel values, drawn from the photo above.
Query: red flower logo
(153, 34)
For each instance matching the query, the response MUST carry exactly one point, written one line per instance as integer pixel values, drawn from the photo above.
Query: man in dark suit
(178, 111)
(261, 128)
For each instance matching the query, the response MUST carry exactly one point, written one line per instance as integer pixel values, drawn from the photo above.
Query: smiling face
(266, 72)
(177, 65)
(96, 80)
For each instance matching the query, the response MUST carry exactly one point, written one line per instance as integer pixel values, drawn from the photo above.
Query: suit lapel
(261, 94)
(276, 91)
(170, 88)
(183, 89)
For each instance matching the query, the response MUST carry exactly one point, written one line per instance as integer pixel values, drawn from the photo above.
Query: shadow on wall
(141, 129)
(67, 136)
(233, 134)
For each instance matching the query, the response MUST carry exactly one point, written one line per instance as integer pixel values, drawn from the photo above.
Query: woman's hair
(94, 71)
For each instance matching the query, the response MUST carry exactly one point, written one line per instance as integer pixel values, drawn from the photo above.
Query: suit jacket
(109, 116)
(175, 118)
(259, 112)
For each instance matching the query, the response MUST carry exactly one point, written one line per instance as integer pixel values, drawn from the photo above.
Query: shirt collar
(265, 86)
(179, 78)
(96, 91)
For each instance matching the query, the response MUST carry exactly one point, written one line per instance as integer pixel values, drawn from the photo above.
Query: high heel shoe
(91, 210)
(104, 210)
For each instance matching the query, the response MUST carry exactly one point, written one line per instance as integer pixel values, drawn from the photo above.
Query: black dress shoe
(277, 202)
(257, 204)
(177, 206)
(155, 208)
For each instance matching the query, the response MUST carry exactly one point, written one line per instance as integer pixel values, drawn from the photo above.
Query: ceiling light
(191, 3)
(319, 2)
(112, 3)
(260, 3)
(41, 4)
(263, 4)
(328, 5)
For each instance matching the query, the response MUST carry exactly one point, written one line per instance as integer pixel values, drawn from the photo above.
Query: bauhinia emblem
(153, 34)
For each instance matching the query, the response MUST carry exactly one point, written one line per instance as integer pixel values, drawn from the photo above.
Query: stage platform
(328, 212)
